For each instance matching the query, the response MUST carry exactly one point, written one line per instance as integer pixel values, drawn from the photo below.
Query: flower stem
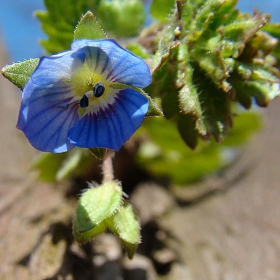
(107, 166)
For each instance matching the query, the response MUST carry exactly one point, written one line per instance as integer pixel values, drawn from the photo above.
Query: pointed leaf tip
(89, 28)
(20, 72)
(125, 225)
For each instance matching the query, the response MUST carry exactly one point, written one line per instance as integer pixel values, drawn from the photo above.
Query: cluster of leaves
(207, 56)
(120, 18)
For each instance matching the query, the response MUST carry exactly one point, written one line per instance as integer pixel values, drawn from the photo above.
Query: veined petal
(46, 115)
(56, 68)
(113, 125)
(121, 66)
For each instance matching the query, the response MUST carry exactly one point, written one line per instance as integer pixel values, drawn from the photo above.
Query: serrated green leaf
(170, 105)
(88, 28)
(187, 130)
(213, 63)
(59, 21)
(237, 34)
(19, 73)
(274, 30)
(96, 204)
(215, 107)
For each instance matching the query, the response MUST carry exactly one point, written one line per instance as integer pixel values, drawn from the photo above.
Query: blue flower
(85, 97)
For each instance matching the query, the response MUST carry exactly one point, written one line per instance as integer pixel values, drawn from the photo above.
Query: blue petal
(121, 66)
(112, 126)
(55, 68)
(46, 115)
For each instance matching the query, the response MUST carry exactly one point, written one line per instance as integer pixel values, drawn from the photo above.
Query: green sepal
(153, 111)
(98, 152)
(86, 236)
(19, 73)
(94, 206)
(125, 225)
(89, 28)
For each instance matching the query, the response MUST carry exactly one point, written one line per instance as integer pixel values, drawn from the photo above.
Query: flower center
(98, 89)
(84, 102)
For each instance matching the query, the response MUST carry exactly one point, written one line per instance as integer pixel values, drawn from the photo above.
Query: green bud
(94, 207)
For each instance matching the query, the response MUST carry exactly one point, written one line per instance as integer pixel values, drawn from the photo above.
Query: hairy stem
(107, 166)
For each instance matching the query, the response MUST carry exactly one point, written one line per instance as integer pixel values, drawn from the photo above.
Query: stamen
(98, 89)
(84, 101)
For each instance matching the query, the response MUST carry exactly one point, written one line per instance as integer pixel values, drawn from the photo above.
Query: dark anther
(98, 89)
(84, 101)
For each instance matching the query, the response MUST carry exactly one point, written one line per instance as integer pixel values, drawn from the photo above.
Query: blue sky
(21, 31)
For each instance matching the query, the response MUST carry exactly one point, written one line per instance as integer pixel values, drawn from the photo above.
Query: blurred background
(21, 30)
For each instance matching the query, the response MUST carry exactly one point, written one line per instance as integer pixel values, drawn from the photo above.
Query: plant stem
(107, 166)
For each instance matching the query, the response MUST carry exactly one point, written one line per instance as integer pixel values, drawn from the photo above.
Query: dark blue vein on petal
(111, 127)
(116, 64)
(117, 76)
(62, 131)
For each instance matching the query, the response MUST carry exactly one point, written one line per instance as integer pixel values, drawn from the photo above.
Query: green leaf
(165, 154)
(47, 165)
(88, 28)
(125, 225)
(59, 21)
(70, 164)
(274, 30)
(96, 204)
(187, 130)
(19, 73)
(55, 167)
(160, 9)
